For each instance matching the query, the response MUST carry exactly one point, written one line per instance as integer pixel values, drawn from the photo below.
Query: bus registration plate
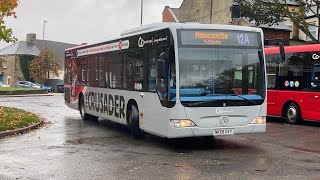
(222, 132)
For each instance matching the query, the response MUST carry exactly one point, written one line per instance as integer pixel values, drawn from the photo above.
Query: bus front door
(272, 106)
(312, 98)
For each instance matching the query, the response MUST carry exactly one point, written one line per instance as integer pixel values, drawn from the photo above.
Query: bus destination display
(215, 37)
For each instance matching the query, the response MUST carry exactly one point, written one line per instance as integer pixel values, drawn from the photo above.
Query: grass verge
(13, 118)
(15, 89)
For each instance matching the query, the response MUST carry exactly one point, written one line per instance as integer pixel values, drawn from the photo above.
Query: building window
(4, 64)
(313, 31)
(8, 80)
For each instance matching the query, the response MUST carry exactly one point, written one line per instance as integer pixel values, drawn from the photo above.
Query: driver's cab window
(154, 55)
(165, 76)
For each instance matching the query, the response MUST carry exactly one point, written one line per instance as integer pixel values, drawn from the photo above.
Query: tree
(271, 12)
(42, 65)
(7, 10)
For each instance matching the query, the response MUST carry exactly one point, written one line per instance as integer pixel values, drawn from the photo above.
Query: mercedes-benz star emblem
(224, 120)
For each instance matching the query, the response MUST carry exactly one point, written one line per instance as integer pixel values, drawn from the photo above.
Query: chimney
(31, 37)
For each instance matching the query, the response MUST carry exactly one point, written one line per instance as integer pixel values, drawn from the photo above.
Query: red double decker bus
(294, 84)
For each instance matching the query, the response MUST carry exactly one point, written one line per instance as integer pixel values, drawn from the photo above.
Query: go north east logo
(152, 41)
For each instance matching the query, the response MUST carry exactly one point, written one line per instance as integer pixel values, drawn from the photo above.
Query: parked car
(27, 84)
(4, 85)
(60, 88)
(48, 88)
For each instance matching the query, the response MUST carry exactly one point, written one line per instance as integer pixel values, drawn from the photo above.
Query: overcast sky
(79, 21)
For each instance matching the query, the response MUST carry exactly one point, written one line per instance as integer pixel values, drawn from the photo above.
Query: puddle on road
(303, 149)
(313, 169)
(75, 141)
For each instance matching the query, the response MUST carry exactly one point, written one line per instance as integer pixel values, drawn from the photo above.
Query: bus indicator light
(259, 120)
(181, 123)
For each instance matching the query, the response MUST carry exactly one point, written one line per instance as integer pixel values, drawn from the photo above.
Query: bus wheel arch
(133, 122)
(84, 115)
(81, 107)
(291, 112)
(79, 100)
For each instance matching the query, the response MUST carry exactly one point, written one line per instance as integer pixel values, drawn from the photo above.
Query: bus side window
(101, 70)
(134, 66)
(114, 70)
(129, 84)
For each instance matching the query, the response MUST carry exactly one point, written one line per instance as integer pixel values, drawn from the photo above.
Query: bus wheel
(83, 114)
(136, 132)
(292, 113)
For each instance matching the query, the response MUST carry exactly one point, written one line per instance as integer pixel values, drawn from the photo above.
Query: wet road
(69, 148)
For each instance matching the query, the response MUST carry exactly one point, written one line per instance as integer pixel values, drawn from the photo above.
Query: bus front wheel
(292, 113)
(136, 132)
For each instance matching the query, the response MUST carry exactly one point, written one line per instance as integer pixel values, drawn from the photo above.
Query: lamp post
(141, 12)
(44, 27)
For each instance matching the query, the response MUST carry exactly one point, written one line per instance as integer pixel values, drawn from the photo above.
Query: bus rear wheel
(292, 113)
(83, 113)
(136, 132)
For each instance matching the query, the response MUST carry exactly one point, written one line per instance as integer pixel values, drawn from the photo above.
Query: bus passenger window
(83, 74)
(134, 67)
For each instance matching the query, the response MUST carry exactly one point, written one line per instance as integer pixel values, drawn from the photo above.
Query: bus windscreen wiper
(246, 99)
(212, 100)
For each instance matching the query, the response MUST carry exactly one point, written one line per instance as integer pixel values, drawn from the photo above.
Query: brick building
(220, 12)
(17, 56)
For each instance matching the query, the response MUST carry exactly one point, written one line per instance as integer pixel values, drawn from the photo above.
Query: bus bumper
(196, 131)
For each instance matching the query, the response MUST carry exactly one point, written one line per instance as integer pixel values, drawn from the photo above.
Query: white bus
(173, 80)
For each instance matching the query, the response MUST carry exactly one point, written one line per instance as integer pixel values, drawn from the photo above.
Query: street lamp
(141, 12)
(44, 26)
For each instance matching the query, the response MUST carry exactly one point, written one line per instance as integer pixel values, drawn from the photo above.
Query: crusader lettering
(112, 105)
(116, 104)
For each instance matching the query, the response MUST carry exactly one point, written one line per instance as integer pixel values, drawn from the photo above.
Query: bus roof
(292, 49)
(172, 26)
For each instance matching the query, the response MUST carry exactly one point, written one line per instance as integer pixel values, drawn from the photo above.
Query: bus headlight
(181, 123)
(259, 120)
